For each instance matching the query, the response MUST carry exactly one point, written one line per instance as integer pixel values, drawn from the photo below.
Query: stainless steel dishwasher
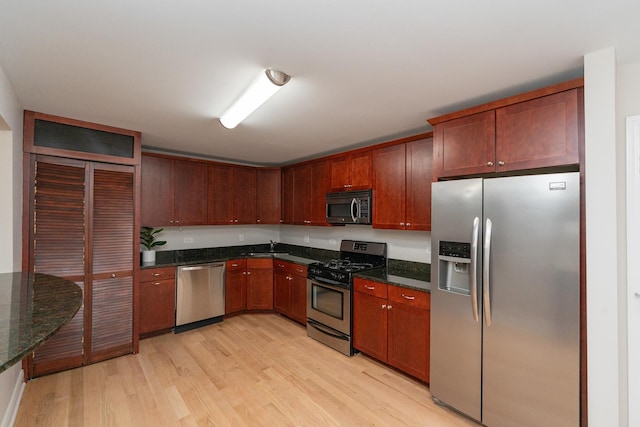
(199, 295)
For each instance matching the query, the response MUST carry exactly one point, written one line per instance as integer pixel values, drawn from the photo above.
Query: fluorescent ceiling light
(268, 82)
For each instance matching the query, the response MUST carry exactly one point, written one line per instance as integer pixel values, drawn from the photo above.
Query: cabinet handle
(244, 272)
(156, 274)
(389, 307)
(156, 283)
(408, 224)
(248, 273)
(257, 220)
(170, 221)
(369, 287)
(113, 275)
(231, 220)
(384, 306)
(489, 163)
(500, 163)
(409, 297)
(402, 224)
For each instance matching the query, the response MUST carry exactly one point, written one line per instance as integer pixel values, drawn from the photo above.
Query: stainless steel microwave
(349, 207)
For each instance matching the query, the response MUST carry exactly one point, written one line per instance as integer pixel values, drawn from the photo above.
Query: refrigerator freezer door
(531, 349)
(455, 334)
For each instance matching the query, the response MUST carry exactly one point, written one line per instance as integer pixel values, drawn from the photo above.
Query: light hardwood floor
(250, 370)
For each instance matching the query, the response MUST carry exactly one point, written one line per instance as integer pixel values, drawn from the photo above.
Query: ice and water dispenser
(454, 260)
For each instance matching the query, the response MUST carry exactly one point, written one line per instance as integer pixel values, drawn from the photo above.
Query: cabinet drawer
(155, 274)
(259, 263)
(236, 264)
(298, 270)
(370, 287)
(410, 297)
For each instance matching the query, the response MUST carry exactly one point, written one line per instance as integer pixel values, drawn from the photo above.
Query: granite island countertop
(33, 307)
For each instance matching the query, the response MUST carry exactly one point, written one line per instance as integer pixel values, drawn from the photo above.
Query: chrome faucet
(272, 245)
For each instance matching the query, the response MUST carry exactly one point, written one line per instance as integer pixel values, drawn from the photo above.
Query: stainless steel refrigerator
(505, 299)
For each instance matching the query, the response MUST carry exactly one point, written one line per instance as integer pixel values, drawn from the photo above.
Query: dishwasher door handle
(200, 267)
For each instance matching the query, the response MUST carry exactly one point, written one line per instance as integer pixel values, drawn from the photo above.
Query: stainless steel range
(329, 292)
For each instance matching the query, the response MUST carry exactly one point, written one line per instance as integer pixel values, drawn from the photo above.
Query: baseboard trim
(10, 414)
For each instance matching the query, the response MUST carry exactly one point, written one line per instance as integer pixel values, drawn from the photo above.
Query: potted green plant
(148, 242)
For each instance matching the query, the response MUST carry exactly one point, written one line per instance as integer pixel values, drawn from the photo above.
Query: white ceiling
(363, 71)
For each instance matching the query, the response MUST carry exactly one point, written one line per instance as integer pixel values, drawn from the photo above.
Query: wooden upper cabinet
(536, 129)
(244, 195)
(173, 192)
(156, 191)
(287, 196)
(190, 193)
(268, 196)
(351, 172)
(538, 133)
(419, 174)
(320, 186)
(389, 188)
(301, 194)
(232, 194)
(402, 175)
(465, 146)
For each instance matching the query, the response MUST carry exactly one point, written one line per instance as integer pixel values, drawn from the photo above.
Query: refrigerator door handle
(485, 270)
(474, 267)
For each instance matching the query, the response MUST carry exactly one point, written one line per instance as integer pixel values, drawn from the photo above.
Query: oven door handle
(326, 330)
(323, 281)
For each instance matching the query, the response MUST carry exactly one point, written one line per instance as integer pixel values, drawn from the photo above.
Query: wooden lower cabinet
(290, 290)
(259, 284)
(392, 324)
(235, 286)
(157, 300)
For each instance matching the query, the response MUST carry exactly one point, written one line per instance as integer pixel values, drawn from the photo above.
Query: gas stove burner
(346, 265)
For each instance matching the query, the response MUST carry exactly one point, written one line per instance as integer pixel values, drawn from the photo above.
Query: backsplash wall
(405, 245)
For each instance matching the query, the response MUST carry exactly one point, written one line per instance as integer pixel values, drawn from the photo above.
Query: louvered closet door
(112, 261)
(58, 247)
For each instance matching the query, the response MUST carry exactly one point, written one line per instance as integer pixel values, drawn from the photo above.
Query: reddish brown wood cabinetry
(268, 196)
(259, 284)
(290, 290)
(235, 286)
(392, 324)
(402, 175)
(172, 192)
(232, 194)
(157, 300)
(304, 192)
(351, 172)
(533, 130)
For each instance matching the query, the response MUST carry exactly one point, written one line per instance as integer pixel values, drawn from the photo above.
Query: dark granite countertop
(32, 308)
(408, 274)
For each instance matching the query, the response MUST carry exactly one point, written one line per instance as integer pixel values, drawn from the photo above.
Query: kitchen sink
(265, 254)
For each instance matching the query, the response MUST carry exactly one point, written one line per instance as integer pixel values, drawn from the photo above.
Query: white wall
(406, 245)
(215, 236)
(10, 224)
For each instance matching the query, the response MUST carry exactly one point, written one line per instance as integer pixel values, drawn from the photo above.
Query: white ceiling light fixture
(262, 88)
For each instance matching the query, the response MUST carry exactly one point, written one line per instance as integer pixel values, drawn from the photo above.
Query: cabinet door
(408, 339)
(360, 170)
(419, 171)
(58, 247)
(301, 194)
(220, 200)
(244, 195)
(281, 291)
(112, 247)
(389, 187)
(190, 198)
(268, 196)
(156, 191)
(157, 305)
(287, 196)
(235, 291)
(370, 325)
(260, 289)
(298, 301)
(465, 146)
(538, 133)
(320, 186)
(340, 176)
